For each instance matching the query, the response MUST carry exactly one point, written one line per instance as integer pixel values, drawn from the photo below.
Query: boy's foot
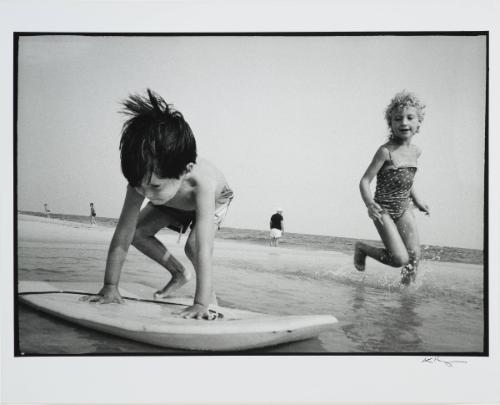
(359, 257)
(176, 282)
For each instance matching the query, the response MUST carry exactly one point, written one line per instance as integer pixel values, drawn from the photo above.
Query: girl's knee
(400, 259)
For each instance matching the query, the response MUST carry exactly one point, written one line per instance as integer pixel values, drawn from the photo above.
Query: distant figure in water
(185, 192)
(277, 226)
(395, 165)
(46, 210)
(92, 215)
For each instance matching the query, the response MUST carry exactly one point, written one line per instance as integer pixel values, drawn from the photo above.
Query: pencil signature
(437, 359)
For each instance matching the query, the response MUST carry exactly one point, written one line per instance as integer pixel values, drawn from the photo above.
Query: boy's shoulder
(204, 170)
(206, 173)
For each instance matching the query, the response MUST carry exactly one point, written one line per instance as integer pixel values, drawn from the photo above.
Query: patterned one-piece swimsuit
(393, 188)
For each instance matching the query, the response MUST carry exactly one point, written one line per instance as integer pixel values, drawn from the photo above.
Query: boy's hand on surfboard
(197, 311)
(108, 294)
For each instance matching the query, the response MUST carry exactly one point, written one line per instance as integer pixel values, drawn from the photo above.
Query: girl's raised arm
(374, 210)
(376, 164)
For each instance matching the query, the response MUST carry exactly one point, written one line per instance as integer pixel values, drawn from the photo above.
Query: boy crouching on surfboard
(159, 160)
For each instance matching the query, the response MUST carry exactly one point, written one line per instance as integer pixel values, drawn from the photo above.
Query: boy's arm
(120, 243)
(205, 208)
(123, 236)
(204, 241)
(374, 210)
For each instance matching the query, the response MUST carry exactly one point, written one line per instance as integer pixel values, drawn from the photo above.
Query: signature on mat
(437, 359)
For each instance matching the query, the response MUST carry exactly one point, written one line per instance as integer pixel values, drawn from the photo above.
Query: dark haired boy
(159, 160)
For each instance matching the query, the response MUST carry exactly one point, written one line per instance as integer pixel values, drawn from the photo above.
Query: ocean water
(304, 241)
(441, 313)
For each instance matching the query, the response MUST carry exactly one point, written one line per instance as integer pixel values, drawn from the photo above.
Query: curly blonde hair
(401, 100)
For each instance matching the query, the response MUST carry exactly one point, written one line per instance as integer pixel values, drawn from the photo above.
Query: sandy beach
(442, 312)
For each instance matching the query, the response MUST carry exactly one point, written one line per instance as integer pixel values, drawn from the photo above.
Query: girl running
(395, 165)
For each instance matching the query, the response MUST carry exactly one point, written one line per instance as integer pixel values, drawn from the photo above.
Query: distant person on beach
(159, 161)
(46, 210)
(395, 165)
(277, 226)
(92, 215)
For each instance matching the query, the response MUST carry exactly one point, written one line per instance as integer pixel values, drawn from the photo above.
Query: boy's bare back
(204, 175)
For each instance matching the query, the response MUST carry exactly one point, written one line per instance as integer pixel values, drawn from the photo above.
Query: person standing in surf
(159, 160)
(277, 226)
(92, 215)
(46, 210)
(395, 165)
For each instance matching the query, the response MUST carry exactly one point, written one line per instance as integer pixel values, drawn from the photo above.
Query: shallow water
(298, 240)
(442, 312)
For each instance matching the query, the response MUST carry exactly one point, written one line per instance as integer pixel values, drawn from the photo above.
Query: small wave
(427, 286)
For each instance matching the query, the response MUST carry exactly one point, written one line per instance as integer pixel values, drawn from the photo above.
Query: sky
(292, 122)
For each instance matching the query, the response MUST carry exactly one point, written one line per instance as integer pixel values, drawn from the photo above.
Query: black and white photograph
(210, 137)
(250, 196)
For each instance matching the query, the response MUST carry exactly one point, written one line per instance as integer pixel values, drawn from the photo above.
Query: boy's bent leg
(150, 221)
(180, 276)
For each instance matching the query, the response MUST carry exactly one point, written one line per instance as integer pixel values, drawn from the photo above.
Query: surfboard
(156, 322)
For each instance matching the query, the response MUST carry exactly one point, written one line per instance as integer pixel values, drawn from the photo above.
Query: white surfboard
(155, 321)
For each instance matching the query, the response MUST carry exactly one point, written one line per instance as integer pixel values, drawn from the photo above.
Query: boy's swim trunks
(182, 219)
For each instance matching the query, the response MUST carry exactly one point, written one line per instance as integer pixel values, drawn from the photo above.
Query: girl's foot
(176, 282)
(408, 275)
(359, 257)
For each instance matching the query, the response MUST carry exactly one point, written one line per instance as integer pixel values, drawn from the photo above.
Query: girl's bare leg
(150, 221)
(407, 227)
(394, 254)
